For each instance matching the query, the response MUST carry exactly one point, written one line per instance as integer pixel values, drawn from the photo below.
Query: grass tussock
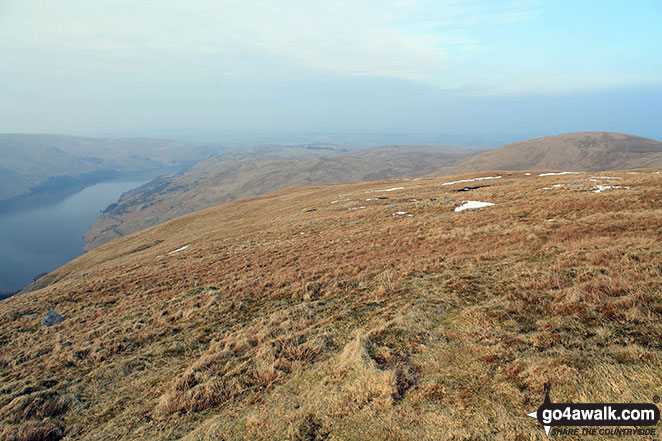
(248, 360)
(45, 430)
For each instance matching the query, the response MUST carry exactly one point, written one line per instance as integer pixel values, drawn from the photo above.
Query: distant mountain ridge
(35, 161)
(581, 151)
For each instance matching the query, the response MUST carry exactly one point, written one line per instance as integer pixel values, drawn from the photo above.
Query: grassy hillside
(349, 312)
(583, 151)
(229, 177)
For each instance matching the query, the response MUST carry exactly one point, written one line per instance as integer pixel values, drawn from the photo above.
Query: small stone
(52, 318)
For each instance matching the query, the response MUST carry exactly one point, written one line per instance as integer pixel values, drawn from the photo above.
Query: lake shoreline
(43, 231)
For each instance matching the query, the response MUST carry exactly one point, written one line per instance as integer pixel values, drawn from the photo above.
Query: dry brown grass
(438, 326)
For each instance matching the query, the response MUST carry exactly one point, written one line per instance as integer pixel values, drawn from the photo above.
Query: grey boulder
(52, 318)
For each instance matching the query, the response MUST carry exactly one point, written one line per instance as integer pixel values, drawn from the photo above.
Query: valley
(40, 232)
(36, 164)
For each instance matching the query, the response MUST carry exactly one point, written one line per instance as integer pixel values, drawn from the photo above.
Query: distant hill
(34, 162)
(582, 151)
(228, 177)
(367, 311)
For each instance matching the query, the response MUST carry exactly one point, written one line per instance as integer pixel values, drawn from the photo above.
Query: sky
(472, 70)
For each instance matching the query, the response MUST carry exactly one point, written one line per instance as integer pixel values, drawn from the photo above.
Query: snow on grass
(552, 186)
(390, 189)
(472, 180)
(178, 250)
(559, 173)
(334, 202)
(402, 213)
(473, 205)
(381, 190)
(601, 188)
(356, 208)
(527, 174)
(605, 177)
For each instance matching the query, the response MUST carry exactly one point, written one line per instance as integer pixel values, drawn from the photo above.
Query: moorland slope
(375, 310)
(226, 178)
(229, 177)
(581, 151)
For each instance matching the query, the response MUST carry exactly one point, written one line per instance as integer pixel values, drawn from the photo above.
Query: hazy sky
(226, 67)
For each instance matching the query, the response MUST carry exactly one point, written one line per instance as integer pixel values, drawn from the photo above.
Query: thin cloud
(404, 39)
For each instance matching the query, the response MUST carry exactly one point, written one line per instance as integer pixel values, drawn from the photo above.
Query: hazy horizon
(488, 74)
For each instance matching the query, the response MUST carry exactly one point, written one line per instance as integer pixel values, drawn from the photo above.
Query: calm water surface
(41, 236)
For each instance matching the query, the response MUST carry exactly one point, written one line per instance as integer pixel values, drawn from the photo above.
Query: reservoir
(39, 234)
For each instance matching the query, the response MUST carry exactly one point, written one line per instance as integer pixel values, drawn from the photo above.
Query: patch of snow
(399, 213)
(601, 188)
(357, 208)
(552, 186)
(178, 250)
(527, 174)
(334, 202)
(559, 173)
(391, 189)
(472, 180)
(657, 173)
(605, 177)
(473, 205)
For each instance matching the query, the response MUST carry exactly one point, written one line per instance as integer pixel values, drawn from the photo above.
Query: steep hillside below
(583, 151)
(222, 179)
(377, 310)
